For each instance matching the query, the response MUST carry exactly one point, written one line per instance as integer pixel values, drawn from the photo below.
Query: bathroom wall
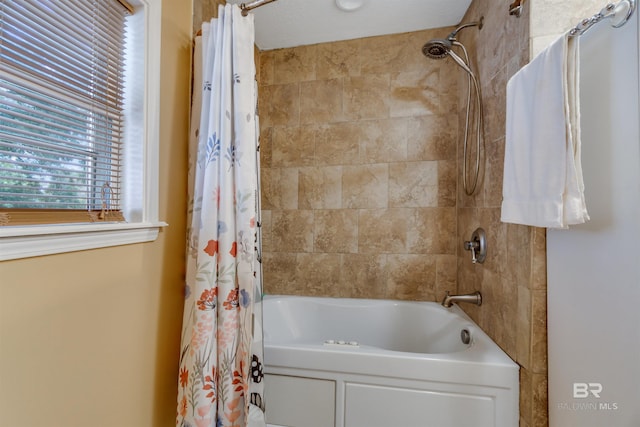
(513, 278)
(358, 169)
(550, 18)
(92, 338)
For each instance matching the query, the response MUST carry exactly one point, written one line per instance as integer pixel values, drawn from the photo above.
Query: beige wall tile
(431, 231)
(411, 277)
(539, 259)
(293, 146)
(336, 231)
(540, 409)
(494, 170)
(266, 68)
(266, 144)
(447, 174)
(523, 343)
(446, 275)
(413, 184)
(365, 186)
(519, 253)
(432, 137)
(320, 187)
(383, 141)
(383, 231)
(494, 94)
(294, 65)
(338, 143)
(365, 275)
(539, 332)
(366, 97)
(417, 93)
(279, 105)
(280, 273)
(292, 230)
(279, 188)
(318, 274)
(526, 396)
(394, 53)
(339, 59)
(321, 101)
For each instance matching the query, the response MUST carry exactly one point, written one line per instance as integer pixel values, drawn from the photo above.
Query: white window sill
(23, 242)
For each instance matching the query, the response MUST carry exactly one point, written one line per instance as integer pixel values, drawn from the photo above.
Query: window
(79, 87)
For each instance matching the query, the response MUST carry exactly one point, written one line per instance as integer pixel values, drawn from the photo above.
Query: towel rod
(619, 13)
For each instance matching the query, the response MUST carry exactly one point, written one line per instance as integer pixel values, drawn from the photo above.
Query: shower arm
(454, 33)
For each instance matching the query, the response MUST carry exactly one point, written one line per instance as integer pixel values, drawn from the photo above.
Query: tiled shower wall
(360, 173)
(513, 278)
(358, 169)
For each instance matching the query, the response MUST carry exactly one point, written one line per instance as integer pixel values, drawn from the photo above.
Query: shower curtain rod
(254, 4)
(620, 13)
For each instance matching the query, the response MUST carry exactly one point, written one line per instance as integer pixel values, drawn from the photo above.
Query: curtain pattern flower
(220, 377)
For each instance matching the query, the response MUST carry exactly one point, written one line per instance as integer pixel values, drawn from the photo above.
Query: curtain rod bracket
(246, 7)
(516, 8)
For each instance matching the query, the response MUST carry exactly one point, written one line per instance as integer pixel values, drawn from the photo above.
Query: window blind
(61, 110)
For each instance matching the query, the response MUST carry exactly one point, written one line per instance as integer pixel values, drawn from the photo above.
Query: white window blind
(61, 110)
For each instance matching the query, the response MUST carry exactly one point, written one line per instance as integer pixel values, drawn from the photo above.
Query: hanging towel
(543, 183)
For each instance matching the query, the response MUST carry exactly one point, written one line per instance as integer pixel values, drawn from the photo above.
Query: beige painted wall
(91, 339)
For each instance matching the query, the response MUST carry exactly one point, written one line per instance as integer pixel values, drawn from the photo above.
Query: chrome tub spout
(473, 298)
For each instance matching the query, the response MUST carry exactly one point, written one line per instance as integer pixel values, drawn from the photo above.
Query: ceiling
(288, 23)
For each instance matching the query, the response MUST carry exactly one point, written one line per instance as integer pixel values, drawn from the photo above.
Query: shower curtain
(220, 376)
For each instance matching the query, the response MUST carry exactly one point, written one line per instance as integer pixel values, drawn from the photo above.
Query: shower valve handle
(477, 245)
(473, 247)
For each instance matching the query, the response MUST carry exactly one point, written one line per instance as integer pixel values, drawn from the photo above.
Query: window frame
(35, 240)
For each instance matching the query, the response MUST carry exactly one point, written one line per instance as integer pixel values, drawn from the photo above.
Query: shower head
(441, 48)
(437, 48)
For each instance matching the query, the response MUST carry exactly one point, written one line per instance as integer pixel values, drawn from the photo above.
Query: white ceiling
(288, 23)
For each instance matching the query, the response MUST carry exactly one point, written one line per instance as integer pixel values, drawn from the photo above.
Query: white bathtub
(369, 363)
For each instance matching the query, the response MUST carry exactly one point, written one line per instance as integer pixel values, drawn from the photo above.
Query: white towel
(543, 183)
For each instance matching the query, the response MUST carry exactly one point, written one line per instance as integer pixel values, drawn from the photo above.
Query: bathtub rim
(483, 363)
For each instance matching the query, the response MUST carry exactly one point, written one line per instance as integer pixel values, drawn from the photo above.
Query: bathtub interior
(400, 326)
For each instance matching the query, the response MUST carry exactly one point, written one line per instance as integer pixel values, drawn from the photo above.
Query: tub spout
(473, 298)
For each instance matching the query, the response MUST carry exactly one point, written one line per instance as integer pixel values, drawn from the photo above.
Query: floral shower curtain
(220, 377)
